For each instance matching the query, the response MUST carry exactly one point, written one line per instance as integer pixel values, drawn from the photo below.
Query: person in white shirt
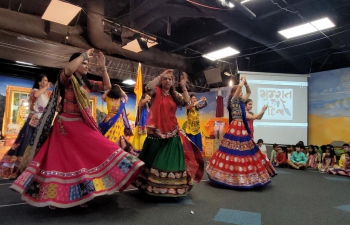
(262, 146)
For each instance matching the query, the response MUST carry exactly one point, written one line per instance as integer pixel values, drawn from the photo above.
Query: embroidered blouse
(236, 111)
(193, 126)
(161, 120)
(37, 105)
(70, 104)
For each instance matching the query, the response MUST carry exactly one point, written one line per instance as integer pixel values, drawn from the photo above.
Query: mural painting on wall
(329, 106)
(17, 109)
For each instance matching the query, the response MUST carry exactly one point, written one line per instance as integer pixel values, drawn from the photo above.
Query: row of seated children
(295, 157)
(344, 163)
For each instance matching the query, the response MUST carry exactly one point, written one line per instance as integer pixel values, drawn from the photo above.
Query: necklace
(165, 94)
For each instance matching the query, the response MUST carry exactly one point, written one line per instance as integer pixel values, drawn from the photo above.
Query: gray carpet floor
(293, 197)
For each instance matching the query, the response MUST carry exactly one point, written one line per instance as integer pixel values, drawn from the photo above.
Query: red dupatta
(193, 157)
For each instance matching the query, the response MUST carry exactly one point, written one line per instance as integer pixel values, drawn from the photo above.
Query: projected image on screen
(279, 101)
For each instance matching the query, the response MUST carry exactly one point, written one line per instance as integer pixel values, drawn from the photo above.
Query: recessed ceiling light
(307, 28)
(135, 46)
(222, 53)
(60, 12)
(129, 82)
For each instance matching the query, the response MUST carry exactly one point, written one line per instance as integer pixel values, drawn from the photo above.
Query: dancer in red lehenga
(238, 162)
(73, 161)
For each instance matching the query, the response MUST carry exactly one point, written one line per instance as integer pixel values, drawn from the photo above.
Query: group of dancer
(66, 160)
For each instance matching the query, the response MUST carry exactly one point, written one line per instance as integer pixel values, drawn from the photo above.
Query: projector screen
(286, 119)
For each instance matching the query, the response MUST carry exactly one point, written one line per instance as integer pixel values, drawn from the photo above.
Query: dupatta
(193, 157)
(105, 126)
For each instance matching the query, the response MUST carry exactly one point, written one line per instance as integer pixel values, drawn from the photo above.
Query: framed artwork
(93, 106)
(17, 109)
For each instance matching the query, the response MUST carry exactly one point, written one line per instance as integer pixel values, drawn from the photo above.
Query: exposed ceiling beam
(244, 9)
(100, 40)
(168, 10)
(140, 10)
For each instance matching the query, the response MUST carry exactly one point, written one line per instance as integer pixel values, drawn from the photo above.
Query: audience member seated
(333, 153)
(262, 147)
(312, 157)
(342, 171)
(290, 150)
(273, 154)
(281, 158)
(342, 157)
(319, 156)
(302, 147)
(328, 160)
(298, 160)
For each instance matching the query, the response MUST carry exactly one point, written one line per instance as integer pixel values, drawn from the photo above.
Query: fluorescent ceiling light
(222, 53)
(307, 28)
(242, 2)
(60, 12)
(230, 5)
(25, 63)
(129, 82)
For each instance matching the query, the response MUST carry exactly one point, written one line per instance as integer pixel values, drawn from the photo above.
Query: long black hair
(232, 93)
(115, 92)
(38, 79)
(311, 150)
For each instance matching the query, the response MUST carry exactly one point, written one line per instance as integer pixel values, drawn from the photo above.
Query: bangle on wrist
(85, 56)
(103, 69)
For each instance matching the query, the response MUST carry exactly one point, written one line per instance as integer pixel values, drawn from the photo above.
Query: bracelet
(103, 69)
(85, 56)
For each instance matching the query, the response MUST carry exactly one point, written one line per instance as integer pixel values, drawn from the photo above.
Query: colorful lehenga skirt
(166, 173)
(74, 165)
(197, 140)
(238, 163)
(116, 131)
(138, 140)
(9, 166)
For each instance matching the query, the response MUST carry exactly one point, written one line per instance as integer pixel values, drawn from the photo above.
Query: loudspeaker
(213, 75)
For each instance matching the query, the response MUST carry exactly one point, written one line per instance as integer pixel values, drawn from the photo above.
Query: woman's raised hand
(101, 59)
(89, 53)
(183, 79)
